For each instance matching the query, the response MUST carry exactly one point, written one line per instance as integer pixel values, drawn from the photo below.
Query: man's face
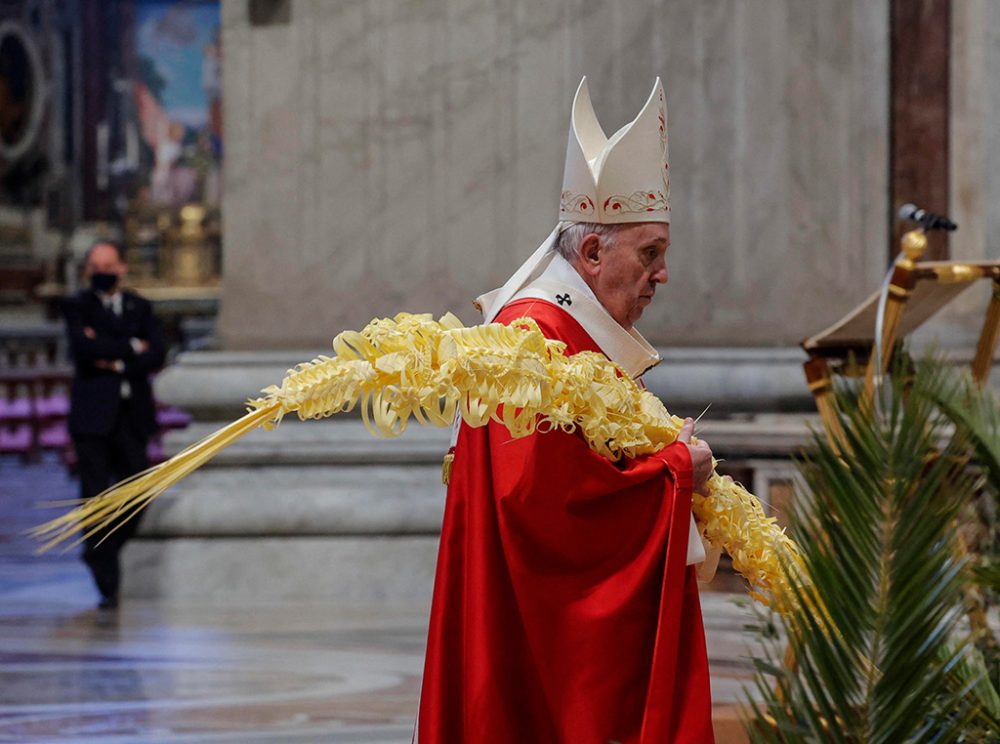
(624, 274)
(103, 259)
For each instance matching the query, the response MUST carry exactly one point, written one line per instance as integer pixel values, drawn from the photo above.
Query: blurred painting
(177, 90)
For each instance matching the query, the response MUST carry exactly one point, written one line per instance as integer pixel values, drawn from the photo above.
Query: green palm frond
(975, 414)
(880, 652)
(987, 573)
(974, 411)
(972, 679)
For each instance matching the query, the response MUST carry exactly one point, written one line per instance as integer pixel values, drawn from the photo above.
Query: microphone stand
(896, 289)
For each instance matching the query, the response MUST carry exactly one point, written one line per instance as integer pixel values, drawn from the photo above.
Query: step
(308, 500)
(330, 441)
(377, 572)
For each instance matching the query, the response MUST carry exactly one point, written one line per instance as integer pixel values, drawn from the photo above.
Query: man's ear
(590, 254)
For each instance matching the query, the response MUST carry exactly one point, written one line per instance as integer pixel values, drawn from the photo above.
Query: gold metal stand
(988, 337)
(821, 386)
(904, 277)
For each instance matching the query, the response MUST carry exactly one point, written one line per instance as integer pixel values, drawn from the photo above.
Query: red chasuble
(563, 609)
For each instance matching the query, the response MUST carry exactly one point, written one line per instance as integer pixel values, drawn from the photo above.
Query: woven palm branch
(413, 366)
(890, 659)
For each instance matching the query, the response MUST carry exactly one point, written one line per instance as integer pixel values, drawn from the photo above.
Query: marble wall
(974, 157)
(385, 155)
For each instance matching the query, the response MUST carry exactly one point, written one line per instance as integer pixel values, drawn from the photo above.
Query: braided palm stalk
(413, 366)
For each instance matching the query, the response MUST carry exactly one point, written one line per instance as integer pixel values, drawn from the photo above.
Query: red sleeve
(677, 457)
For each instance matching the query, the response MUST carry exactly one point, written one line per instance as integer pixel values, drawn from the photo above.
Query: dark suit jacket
(96, 393)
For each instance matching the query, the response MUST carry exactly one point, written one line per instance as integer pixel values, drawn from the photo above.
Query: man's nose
(660, 276)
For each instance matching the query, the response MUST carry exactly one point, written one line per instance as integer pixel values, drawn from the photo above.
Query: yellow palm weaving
(412, 365)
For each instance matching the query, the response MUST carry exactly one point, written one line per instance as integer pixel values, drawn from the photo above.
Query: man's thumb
(686, 431)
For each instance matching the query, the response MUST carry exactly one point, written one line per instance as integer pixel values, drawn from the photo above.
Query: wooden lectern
(916, 291)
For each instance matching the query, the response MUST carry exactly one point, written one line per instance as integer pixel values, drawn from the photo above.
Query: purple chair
(17, 427)
(54, 436)
(54, 406)
(15, 410)
(169, 418)
(18, 439)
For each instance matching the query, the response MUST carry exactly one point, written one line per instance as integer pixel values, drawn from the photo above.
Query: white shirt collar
(111, 301)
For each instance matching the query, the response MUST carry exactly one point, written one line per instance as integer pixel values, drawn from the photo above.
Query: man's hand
(111, 365)
(89, 333)
(701, 456)
(139, 346)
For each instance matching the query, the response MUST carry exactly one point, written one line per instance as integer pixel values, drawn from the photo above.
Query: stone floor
(164, 673)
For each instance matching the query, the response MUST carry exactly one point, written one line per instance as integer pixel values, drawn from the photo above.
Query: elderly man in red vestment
(566, 603)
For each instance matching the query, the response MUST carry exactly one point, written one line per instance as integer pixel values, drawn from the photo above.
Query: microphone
(929, 220)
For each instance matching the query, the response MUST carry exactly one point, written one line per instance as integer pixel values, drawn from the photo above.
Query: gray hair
(569, 240)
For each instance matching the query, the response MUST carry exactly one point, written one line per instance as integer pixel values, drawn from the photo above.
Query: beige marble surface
(974, 157)
(384, 156)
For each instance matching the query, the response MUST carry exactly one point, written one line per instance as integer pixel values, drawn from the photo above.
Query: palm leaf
(884, 660)
(970, 678)
(974, 411)
(987, 573)
(975, 414)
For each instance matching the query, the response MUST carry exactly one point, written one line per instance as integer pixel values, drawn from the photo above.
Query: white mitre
(607, 180)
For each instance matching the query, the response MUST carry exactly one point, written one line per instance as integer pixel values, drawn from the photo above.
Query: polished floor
(156, 673)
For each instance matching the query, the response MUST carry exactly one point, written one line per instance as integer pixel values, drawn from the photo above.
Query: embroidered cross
(564, 299)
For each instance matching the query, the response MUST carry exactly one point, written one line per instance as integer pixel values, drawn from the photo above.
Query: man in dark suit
(116, 344)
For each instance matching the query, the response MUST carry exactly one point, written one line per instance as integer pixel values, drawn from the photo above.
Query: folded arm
(147, 350)
(86, 346)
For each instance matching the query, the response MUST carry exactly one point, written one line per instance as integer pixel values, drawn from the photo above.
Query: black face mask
(103, 282)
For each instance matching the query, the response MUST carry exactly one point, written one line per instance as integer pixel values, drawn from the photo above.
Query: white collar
(111, 301)
(561, 284)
